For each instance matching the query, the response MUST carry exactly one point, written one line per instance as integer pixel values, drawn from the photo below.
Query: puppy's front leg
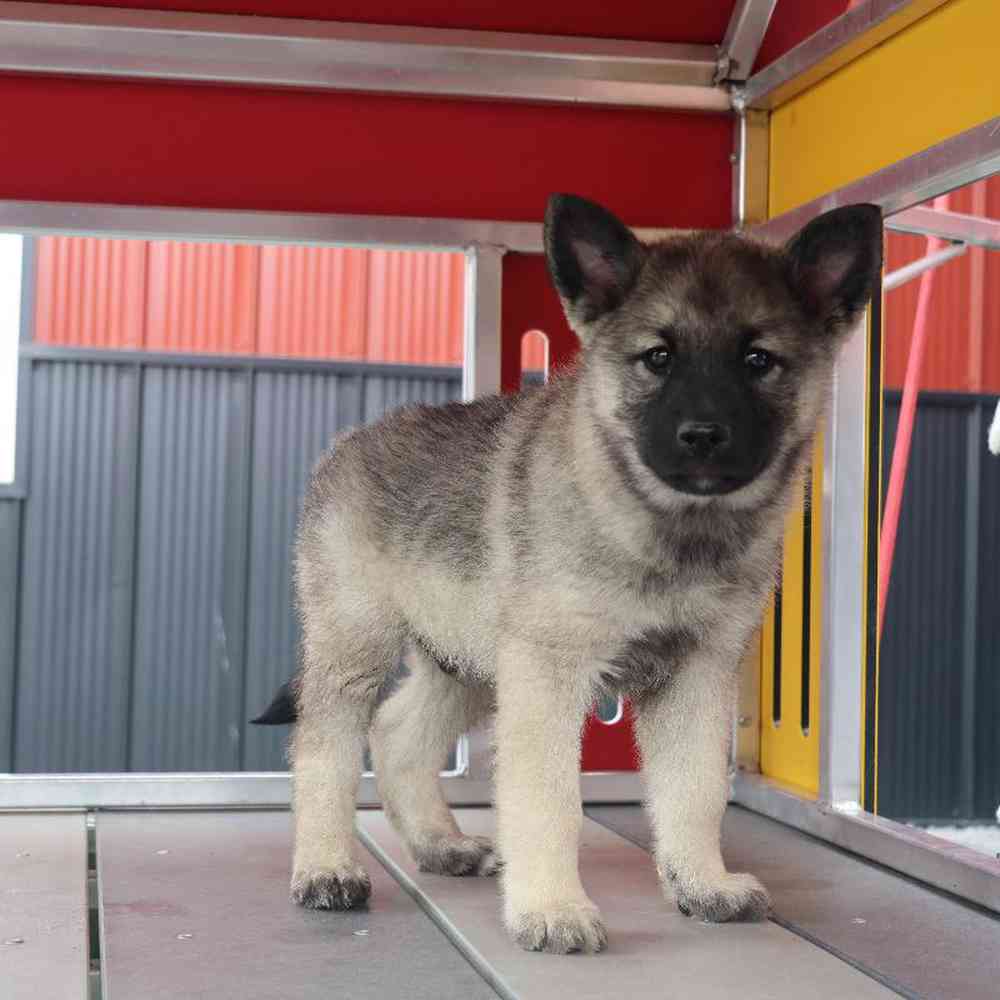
(684, 733)
(540, 710)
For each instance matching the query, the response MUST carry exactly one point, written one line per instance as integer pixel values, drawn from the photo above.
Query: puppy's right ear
(593, 258)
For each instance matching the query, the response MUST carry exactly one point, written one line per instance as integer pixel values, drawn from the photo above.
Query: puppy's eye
(759, 361)
(657, 359)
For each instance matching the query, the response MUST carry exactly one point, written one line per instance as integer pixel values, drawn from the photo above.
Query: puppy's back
(416, 483)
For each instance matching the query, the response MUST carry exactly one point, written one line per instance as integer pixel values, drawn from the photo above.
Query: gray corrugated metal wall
(146, 571)
(939, 695)
(76, 558)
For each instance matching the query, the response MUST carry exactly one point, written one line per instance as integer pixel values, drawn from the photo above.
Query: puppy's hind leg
(342, 672)
(415, 726)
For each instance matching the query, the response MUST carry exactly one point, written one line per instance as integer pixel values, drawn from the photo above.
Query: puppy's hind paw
(343, 888)
(737, 897)
(458, 856)
(561, 929)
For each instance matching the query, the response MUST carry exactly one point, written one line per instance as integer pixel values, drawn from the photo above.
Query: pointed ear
(834, 263)
(593, 258)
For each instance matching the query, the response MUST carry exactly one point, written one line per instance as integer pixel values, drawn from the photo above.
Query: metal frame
(484, 244)
(910, 271)
(483, 285)
(836, 816)
(55, 218)
(280, 52)
(744, 34)
(951, 867)
(972, 230)
(251, 790)
(750, 168)
(833, 46)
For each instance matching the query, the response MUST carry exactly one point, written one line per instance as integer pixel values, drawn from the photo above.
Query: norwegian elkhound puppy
(617, 530)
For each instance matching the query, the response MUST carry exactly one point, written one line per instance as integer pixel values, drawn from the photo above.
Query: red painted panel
(610, 747)
(220, 147)
(963, 346)
(201, 297)
(703, 22)
(313, 302)
(90, 292)
(794, 21)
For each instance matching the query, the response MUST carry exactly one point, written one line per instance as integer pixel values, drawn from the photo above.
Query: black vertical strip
(874, 449)
(776, 680)
(975, 436)
(806, 601)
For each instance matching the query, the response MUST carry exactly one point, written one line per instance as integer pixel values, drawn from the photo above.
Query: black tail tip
(281, 711)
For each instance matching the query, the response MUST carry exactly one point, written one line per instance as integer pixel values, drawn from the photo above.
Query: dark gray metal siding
(185, 707)
(154, 611)
(10, 560)
(938, 690)
(76, 559)
(295, 417)
(987, 719)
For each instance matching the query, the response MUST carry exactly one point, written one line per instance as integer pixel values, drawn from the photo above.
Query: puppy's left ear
(834, 263)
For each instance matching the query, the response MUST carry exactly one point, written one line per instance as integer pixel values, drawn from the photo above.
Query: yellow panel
(788, 752)
(926, 84)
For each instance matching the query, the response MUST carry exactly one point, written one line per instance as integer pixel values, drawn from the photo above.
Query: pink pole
(904, 432)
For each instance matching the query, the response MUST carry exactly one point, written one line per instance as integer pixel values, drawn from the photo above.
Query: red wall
(793, 22)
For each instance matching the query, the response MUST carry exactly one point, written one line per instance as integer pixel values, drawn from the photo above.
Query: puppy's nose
(701, 439)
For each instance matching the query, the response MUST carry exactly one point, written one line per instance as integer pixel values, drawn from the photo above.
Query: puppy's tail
(282, 711)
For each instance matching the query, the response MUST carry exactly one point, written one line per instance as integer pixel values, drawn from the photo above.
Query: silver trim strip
(57, 218)
(483, 285)
(256, 789)
(744, 34)
(972, 229)
(285, 52)
(833, 46)
(948, 866)
(842, 635)
(969, 156)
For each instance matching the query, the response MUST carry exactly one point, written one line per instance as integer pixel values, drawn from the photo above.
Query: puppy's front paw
(343, 888)
(458, 856)
(560, 929)
(735, 897)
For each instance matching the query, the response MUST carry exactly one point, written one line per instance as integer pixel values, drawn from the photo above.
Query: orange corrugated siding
(202, 297)
(90, 292)
(963, 346)
(313, 302)
(375, 305)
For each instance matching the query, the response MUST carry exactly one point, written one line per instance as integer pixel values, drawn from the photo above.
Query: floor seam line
(438, 917)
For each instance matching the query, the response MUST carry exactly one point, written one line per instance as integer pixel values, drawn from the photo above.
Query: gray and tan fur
(615, 530)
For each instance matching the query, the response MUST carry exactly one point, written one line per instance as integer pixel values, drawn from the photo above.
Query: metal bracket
(742, 41)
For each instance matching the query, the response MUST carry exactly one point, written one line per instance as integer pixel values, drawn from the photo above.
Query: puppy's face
(712, 350)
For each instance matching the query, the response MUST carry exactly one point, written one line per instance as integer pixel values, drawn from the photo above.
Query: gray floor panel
(653, 950)
(43, 906)
(195, 905)
(928, 944)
